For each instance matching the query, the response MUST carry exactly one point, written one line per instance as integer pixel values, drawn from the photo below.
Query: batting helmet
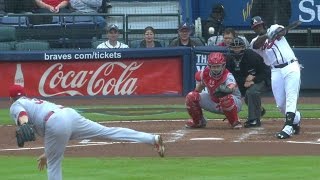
(256, 21)
(217, 64)
(237, 47)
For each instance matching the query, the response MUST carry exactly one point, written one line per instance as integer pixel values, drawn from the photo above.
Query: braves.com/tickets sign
(91, 78)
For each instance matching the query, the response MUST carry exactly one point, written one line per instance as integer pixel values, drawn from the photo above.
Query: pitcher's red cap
(16, 90)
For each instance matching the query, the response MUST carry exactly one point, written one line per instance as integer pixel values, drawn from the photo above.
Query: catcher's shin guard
(229, 108)
(193, 107)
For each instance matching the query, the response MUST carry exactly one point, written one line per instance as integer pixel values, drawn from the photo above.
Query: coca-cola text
(97, 81)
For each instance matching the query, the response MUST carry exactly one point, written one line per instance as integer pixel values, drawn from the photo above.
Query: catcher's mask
(237, 47)
(16, 91)
(217, 64)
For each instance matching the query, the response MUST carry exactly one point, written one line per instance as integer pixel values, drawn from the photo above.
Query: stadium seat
(95, 43)
(56, 19)
(6, 46)
(14, 21)
(134, 43)
(47, 32)
(77, 19)
(32, 45)
(7, 33)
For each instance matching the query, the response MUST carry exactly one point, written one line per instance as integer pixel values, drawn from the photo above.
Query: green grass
(163, 112)
(201, 168)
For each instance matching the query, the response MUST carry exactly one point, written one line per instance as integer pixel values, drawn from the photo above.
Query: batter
(285, 72)
(58, 125)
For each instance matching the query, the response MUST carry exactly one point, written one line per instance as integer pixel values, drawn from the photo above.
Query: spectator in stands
(228, 35)
(89, 7)
(49, 6)
(272, 11)
(215, 20)
(112, 42)
(149, 41)
(52, 6)
(184, 39)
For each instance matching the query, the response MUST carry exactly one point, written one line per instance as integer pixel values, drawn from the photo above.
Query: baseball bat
(285, 29)
(289, 27)
(293, 25)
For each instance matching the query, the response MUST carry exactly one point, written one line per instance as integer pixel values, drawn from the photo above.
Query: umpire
(252, 77)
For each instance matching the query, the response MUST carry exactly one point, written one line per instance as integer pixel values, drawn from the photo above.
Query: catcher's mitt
(222, 91)
(25, 133)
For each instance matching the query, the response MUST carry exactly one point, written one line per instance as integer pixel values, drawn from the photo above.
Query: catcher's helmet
(217, 64)
(256, 21)
(237, 47)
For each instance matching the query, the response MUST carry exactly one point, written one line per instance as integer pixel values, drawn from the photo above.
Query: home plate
(207, 139)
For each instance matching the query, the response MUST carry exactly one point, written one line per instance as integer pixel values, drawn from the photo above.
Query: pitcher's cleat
(159, 145)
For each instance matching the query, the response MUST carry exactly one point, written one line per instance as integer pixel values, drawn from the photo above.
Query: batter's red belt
(284, 64)
(46, 118)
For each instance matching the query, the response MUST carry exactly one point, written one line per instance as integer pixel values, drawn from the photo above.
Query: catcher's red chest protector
(212, 83)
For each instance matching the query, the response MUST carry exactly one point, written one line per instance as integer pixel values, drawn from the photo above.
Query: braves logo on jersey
(268, 44)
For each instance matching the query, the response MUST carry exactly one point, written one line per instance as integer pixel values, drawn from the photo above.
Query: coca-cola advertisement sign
(80, 78)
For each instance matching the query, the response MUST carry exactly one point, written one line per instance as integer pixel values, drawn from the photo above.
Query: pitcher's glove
(222, 91)
(25, 133)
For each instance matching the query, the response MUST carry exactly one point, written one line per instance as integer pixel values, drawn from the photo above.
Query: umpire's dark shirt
(251, 63)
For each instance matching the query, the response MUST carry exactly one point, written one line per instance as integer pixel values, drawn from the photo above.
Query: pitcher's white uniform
(58, 125)
(285, 74)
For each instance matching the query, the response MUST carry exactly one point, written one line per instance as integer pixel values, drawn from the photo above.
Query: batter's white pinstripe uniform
(285, 74)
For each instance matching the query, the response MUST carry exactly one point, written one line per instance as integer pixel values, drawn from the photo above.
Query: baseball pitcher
(58, 125)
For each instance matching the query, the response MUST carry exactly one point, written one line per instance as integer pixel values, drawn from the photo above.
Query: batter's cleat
(282, 135)
(263, 111)
(237, 125)
(159, 145)
(191, 125)
(296, 128)
(286, 132)
(252, 123)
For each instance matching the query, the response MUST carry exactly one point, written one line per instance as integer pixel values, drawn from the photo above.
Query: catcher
(223, 95)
